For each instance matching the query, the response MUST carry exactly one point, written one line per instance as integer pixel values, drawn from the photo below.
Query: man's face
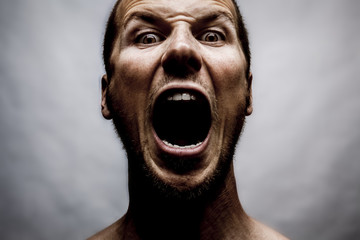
(178, 90)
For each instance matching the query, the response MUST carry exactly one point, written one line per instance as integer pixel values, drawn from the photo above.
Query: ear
(104, 104)
(249, 107)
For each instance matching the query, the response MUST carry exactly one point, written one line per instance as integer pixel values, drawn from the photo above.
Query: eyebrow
(213, 16)
(153, 18)
(144, 16)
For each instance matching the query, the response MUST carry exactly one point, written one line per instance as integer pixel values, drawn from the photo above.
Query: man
(178, 88)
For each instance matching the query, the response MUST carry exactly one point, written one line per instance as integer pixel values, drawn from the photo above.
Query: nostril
(194, 63)
(170, 65)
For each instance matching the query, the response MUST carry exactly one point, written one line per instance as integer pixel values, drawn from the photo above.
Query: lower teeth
(181, 147)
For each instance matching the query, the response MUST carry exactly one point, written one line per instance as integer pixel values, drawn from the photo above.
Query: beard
(143, 178)
(144, 182)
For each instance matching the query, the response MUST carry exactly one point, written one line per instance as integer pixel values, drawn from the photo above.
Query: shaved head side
(112, 31)
(243, 37)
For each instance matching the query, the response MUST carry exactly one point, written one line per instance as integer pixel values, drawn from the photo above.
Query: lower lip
(181, 152)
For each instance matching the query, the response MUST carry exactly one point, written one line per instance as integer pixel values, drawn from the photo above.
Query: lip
(175, 151)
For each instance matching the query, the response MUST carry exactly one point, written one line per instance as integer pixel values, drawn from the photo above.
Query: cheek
(227, 72)
(132, 71)
(228, 76)
(131, 79)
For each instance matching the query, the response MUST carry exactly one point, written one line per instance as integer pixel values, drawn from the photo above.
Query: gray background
(63, 171)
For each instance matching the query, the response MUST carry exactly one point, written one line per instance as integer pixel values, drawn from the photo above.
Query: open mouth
(182, 118)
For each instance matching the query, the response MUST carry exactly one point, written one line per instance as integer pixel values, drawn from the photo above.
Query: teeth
(181, 96)
(185, 96)
(181, 147)
(177, 97)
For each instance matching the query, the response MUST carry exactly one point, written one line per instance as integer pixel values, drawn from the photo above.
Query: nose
(181, 57)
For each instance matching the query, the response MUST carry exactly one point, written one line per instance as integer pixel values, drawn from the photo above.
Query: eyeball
(149, 38)
(211, 37)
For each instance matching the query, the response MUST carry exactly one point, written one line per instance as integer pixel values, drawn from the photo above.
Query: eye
(211, 37)
(149, 38)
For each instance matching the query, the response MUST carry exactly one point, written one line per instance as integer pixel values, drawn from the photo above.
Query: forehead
(174, 8)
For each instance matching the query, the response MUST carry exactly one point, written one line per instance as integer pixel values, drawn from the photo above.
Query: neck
(218, 215)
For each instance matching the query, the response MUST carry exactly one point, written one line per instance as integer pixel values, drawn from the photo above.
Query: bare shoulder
(261, 231)
(114, 231)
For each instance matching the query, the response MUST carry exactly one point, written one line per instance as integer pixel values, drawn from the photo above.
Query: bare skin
(222, 218)
(179, 189)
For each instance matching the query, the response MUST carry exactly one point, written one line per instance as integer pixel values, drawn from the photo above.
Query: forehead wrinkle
(203, 19)
(128, 10)
(160, 14)
(123, 10)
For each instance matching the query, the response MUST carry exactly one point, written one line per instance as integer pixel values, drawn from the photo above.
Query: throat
(159, 217)
(166, 220)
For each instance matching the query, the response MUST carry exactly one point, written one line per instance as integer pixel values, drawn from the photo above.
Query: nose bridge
(181, 38)
(181, 56)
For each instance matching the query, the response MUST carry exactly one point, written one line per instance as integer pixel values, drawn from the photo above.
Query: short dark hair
(112, 30)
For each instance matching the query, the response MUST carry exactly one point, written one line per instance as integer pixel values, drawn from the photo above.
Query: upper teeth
(181, 96)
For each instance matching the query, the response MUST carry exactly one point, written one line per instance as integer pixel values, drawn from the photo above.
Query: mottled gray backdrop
(63, 171)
